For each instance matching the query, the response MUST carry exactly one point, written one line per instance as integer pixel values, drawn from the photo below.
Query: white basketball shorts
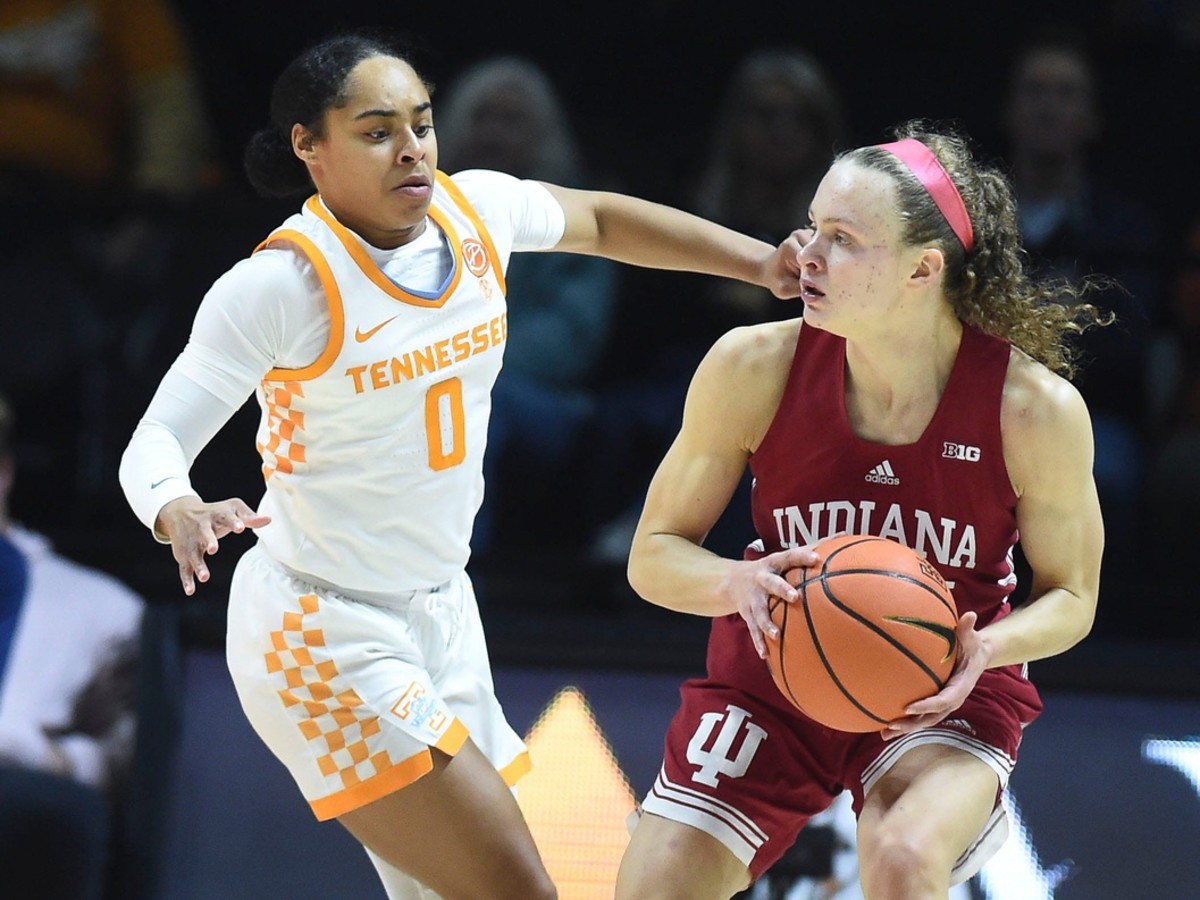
(351, 695)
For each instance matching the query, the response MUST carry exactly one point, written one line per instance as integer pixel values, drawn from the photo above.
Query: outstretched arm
(642, 233)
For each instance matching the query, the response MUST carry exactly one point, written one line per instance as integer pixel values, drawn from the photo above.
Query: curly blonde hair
(989, 287)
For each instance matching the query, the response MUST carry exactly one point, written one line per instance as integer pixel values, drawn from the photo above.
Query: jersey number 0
(445, 424)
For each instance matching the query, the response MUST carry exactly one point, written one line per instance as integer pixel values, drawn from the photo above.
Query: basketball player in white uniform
(371, 327)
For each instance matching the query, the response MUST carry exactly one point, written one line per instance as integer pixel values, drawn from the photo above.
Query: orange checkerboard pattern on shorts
(327, 712)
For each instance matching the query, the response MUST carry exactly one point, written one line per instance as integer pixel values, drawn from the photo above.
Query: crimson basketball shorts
(751, 773)
(351, 695)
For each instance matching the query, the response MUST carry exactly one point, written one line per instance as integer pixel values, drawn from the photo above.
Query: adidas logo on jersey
(883, 474)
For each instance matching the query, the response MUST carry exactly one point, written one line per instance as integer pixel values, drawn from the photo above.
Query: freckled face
(374, 165)
(855, 266)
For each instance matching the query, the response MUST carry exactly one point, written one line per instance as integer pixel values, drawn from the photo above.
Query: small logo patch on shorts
(419, 710)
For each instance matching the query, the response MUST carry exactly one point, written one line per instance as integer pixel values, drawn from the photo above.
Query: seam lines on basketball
(783, 669)
(816, 642)
(866, 539)
(912, 657)
(823, 577)
(885, 573)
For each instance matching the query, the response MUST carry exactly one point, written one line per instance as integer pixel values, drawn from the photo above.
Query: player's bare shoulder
(1041, 414)
(762, 353)
(742, 378)
(1035, 397)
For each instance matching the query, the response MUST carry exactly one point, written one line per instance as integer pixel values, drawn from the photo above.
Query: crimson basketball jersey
(947, 495)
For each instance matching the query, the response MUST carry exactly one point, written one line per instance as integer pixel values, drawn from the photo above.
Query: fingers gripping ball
(871, 632)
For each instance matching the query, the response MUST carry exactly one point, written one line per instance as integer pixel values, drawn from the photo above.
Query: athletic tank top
(373, 455)
(947, 495)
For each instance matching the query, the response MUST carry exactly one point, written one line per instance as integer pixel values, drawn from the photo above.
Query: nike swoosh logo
(160, 481)
(361, 336)
(946, 634)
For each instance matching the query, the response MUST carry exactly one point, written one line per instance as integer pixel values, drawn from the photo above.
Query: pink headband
(921, 161)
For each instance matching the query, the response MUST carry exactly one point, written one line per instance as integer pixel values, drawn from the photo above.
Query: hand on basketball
(194, 529)
(973, 658)
(752, 584)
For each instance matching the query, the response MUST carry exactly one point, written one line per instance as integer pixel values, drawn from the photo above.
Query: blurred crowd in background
(123, 198)
(121, 183)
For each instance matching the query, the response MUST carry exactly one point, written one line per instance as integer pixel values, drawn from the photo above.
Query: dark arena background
(1106, 799)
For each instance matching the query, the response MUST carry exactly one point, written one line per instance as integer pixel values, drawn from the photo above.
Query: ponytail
(273, 169)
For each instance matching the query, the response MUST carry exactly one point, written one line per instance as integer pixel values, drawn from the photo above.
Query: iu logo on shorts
(717, 759)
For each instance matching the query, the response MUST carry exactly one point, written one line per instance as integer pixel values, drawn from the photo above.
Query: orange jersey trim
(333, 299)
(484, 235)
(391, 780)
(363, 260)
(456, 735)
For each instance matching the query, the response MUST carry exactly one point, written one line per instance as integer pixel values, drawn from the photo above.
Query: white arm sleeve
(519, 214)
(266, 311)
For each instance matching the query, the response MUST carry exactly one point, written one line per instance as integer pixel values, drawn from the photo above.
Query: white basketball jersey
(373, 455)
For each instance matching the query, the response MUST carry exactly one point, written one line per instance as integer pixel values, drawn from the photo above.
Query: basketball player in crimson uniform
(916, 400)
(370, 326)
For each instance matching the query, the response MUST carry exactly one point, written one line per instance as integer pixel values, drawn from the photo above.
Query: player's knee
(901, 864)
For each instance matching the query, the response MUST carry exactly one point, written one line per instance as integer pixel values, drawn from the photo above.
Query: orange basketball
(871, 632)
